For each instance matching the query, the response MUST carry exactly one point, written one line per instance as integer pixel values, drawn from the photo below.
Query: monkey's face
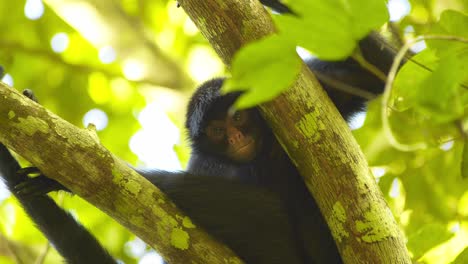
(236, 137)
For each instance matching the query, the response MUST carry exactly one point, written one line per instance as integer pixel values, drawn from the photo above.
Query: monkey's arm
(349, 84)
(70, 238)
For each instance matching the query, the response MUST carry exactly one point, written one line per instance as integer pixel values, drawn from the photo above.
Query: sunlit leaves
(442, 93)
(435, 92)
(431, 95)
(434, 191)
(451, 71)
(451, 23)
(427, 237)
(331, 29)
(266, 68)
(462, 258)
(411, 75)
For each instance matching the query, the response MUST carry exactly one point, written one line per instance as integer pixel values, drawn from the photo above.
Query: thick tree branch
(75, 158)
(316, 138)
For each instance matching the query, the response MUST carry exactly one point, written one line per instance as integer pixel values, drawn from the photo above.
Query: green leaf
(451, 23)
(5, 260)
(439, 93)
(331, 29)
(427, 237)
(434, 93)
(263, 69)
(411, 75)
(462, 257)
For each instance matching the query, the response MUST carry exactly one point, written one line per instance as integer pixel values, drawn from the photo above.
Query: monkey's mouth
(244, 147)
(244, 153)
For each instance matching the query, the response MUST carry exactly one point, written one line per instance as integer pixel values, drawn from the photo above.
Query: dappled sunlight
(9, 218)
(8, 79)
(449, 250)
(4, 192)
(59, 42)
(418, 46)
(98, 88)
(395, 188)
(166, 38)
(357, 121)
(134, 70)
(138, 249)
(121, 90)
(190, 28)
(97, 117)
(447, 145)
(204, 64)
(151, 258)
(154, 143)
(107, 54)
(34, 9)
(463, 205)
(378, 171)
(85, 18)
(398, 9)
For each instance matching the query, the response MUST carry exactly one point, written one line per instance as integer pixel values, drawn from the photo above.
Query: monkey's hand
(38, 185)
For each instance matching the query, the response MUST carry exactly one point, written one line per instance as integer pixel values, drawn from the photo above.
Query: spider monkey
(240, 186)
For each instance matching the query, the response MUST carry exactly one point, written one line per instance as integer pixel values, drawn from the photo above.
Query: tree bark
(316, 138)
(75, 158)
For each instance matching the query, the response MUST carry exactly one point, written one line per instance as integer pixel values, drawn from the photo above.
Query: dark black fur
(56, 224)
(261, 209)
(277, 6)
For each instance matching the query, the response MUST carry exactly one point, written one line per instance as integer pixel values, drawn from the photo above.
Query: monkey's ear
(199, 105)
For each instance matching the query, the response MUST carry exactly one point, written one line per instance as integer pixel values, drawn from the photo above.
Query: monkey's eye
(237, 116)
(218, 131)
(215, 132)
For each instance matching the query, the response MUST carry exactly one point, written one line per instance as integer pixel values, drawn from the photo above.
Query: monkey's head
(239, 137)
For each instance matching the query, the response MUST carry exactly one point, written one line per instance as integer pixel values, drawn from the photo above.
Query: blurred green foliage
(424, 188)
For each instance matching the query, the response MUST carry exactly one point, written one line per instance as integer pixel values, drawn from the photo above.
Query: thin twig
(369, 66)
(344, 87)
